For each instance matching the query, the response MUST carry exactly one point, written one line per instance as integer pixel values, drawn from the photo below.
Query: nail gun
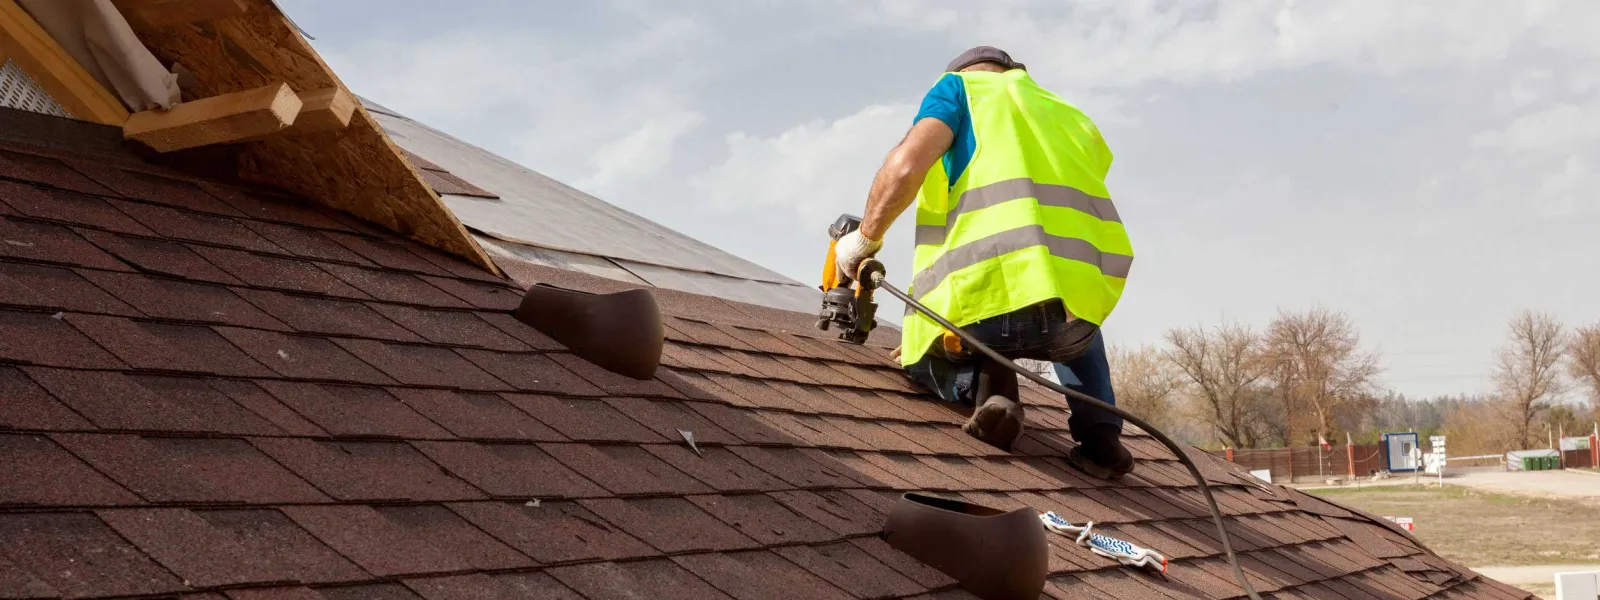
(849, 308)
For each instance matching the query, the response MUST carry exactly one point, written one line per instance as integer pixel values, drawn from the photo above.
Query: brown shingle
(203, 555)
(386, 254)
(850, 568)
(155, 256)
(625, 469)
(368, 470)
(305, 242)
(836, 510)
(671, 525)
(716, 467)
(150, 403)
(757, 575)
(764, 519)
(302, 356)
(38, 338)
(80, 556)
(530, 372)
(584, 419)
(663, 578)
(553, 532)
(354, 411)
(485, 296)
(416, 364)
(258, 401)
(476, 415)
(40, 472)
(667, 417)
(393, 287)
(313, 314)
(461, 328)
(28, 406)
(167, 469)
(168, 347)
(40, 286)
(509, 470)
(290, 553)
(47, 171)
(612, 383)
(180, 300)
(380, 545)
(196, 227)
(794, 467)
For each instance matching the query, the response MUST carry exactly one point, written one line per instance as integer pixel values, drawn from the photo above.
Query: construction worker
(1017, 243)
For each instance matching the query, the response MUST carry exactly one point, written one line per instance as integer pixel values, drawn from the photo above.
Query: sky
(1427, 167)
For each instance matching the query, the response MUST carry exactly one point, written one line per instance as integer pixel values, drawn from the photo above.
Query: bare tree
(1526, 377)
(1224, 365)
(1320, 367)
(1146, 384)
(1583, 362)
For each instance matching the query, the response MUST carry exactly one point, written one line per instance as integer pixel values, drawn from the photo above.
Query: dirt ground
(1489, 530)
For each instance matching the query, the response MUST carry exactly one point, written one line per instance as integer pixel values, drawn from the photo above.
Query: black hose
(1183, 457)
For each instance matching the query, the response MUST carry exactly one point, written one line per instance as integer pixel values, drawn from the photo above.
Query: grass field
(1480, 529)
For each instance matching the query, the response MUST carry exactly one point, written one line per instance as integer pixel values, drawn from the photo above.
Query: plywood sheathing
(356, 169)
(166, 13)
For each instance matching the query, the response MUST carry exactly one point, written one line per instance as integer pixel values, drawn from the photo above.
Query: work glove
(851, 249)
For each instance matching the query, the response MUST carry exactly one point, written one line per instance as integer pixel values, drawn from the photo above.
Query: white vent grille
(18, 90)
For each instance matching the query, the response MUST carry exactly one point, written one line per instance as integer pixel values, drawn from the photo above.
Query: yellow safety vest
(1029, 220)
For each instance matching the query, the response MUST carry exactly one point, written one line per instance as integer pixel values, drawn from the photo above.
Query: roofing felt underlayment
(215, 390)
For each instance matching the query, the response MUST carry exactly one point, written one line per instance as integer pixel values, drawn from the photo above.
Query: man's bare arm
(895, 186)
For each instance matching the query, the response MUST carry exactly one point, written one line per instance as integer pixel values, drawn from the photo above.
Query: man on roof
(1017, 243)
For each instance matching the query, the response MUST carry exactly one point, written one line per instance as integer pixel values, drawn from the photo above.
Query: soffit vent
(18, 90)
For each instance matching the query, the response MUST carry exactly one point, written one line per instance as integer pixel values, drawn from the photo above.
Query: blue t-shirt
(947, 102)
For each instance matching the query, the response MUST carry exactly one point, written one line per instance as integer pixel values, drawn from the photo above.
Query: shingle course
(227, 358)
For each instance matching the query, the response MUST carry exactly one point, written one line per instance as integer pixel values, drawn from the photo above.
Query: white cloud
(1121, 43)
(640, 154)
(533, 99)
(813, 171)
(1563, 126)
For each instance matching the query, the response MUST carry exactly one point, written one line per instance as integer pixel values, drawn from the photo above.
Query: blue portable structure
(1397, 452)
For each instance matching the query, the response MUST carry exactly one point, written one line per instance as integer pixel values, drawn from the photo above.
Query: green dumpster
(1553, 463)
(1530, 463)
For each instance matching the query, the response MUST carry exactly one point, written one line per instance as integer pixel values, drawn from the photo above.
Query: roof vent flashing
(994, 555)
(619, 332)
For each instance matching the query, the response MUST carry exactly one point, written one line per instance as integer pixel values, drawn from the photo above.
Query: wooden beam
(220, 119)
(167, 13)
(53, 69)
(327, 109)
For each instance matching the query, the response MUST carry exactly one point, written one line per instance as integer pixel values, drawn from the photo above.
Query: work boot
(1100, 452)
(998, 422)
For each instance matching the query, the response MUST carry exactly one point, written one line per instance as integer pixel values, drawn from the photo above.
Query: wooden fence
(1577, 459)
(1301, 464)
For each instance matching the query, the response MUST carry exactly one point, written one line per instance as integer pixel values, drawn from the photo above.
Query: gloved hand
(851, 249)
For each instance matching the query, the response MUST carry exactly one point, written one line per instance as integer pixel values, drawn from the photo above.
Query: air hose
(877, 277)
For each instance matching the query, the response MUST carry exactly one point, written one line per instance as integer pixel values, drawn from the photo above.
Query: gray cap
(983, 54)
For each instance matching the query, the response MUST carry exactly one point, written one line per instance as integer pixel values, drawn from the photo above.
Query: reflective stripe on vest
(1012, 240)
(1016, 189)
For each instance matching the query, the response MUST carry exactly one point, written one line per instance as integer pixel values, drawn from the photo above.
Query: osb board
(357, 169)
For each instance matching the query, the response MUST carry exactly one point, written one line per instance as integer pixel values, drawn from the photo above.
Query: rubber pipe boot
(994, 555)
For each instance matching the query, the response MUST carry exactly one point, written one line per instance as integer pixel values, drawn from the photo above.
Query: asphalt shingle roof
(216, 391)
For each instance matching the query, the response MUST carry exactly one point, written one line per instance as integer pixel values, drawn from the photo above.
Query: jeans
(1040, 332)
